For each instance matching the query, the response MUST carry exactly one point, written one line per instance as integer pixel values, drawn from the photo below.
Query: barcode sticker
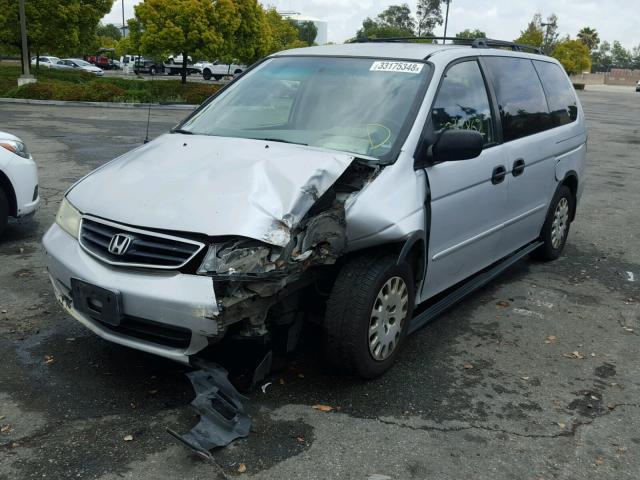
(402, 67)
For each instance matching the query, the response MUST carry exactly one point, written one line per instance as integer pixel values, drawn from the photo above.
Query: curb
(62, 103)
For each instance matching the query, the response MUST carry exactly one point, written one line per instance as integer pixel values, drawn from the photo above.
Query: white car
(217, 70)
(638, 86)
(82, 65)
(19, 196)
(177, 59)
(46, 62)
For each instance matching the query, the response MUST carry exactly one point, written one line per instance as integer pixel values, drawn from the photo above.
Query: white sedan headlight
(68, 218)
(15, 146)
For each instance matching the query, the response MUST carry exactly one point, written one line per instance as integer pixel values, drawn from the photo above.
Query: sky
(500, 19)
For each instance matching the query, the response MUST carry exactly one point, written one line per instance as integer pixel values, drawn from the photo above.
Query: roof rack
(473, 43)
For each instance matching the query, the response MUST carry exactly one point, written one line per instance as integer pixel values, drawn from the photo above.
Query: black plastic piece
(518, 167)
(498, 175)
(469, 286)
(222, 414)
(472, 42)
(98, 303)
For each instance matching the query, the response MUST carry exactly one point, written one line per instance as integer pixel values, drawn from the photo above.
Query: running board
(469, 287)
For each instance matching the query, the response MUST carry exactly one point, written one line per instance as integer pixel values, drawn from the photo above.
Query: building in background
(321, 25)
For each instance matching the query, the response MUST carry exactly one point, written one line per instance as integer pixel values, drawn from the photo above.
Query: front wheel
(206, 74)
(556, 226)
(368, 314)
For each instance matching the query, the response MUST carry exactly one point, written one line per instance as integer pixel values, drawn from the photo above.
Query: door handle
(518, 167)
(499, 173)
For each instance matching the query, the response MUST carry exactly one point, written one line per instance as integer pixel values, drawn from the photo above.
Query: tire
(352, 339)
(555, 230)
(217, 78)
(152, 71)
(4, 211)
(206, 74)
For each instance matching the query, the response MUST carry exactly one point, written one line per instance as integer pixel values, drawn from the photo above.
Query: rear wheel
(556, 226)
(4, 211)
(368, 313)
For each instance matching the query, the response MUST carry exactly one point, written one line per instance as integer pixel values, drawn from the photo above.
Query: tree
(573, 55)
(53, 26)
(282, 34)
(620, 56)
(398, 16)
(429, 14)
(249, 40)
(589, 36)
(550, 34)
(307, 32)
(395, 21)
(108, 30)
(602, 57)
(190, 27)
(469, 34)
(534, 34)
(635, 53)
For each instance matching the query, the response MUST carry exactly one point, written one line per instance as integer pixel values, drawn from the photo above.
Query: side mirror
(448, 146)
(453, 145)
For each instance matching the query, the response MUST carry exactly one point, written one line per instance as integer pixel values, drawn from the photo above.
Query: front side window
(355, 105)
(462, 102)
(522, 103)
(560, 93)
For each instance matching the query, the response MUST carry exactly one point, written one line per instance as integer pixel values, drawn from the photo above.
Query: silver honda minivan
(360, 181)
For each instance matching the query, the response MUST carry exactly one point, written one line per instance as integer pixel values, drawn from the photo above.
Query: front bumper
(163, 299)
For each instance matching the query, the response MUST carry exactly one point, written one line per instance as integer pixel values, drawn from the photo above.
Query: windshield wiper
(180, 130)
(280, 140)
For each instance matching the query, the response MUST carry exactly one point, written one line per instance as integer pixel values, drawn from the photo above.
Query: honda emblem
(120, 243)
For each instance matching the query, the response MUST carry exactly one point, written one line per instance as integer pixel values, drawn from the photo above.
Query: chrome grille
(145, 249)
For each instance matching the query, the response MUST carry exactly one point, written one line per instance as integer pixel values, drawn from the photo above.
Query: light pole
(446, 20)
(123, 25)
(26, 77)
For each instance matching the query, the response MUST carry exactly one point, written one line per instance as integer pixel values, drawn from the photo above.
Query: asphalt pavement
(536, 376)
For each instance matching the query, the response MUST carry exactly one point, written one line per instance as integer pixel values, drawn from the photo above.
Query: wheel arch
(571, 181)
(5, 185)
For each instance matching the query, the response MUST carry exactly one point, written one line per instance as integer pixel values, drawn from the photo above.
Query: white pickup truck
(218, 70)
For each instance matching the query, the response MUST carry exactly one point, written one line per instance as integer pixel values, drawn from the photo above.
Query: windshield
(82, 63)
(356, 105)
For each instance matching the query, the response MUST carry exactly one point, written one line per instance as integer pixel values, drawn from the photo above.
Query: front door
(468, 198)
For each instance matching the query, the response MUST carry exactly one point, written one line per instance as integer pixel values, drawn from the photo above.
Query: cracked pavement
(536, 376)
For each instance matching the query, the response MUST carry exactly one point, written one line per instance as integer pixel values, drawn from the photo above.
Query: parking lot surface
(536, 376)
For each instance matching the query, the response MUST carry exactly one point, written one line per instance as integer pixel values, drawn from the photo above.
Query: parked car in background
(638, 86)
(358, 180)
(19, 195)
(177, 59)
(104, 59)
(147, 65)
(83, 65)
(45, 61)
(218, 70)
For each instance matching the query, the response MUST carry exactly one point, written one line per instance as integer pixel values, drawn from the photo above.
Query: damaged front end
(251, 276)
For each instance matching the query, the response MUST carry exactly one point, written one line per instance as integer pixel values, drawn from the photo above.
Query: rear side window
(523, 106)
(560, 94)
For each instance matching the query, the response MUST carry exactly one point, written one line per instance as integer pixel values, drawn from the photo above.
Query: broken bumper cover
(165, 313)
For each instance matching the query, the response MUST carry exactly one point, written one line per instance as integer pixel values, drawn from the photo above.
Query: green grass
(81, 86)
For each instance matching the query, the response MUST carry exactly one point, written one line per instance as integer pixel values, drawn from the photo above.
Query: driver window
(462, 102)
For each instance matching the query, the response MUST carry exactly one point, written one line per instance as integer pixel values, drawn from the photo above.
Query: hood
(211, 185)
(8, 136)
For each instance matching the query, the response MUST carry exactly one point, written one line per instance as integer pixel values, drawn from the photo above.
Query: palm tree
(589, 36)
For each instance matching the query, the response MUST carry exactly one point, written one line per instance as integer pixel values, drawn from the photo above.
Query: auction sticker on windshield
(402, 67)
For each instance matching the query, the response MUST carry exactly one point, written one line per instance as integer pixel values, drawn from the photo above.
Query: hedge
(82, 86)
